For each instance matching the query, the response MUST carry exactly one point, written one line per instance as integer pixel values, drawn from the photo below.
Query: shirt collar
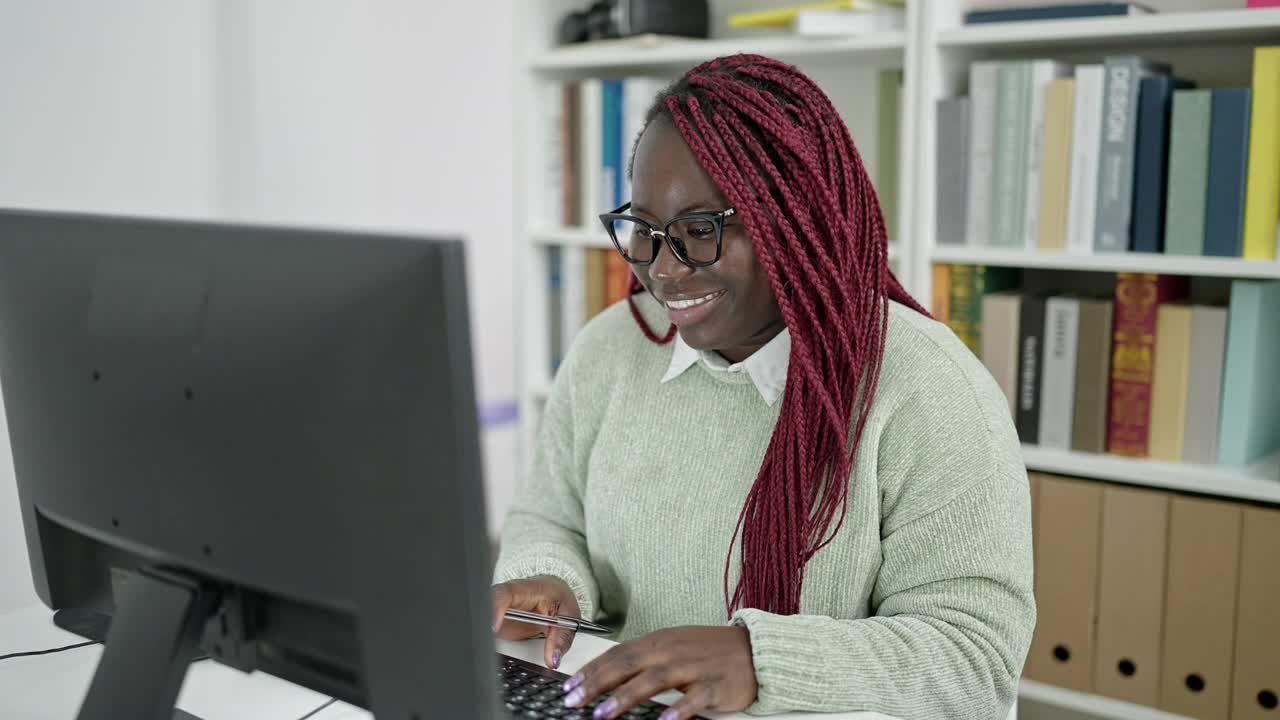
(766, 366)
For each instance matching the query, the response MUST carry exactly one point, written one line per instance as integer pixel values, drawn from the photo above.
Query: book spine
(1138, 298)
(1250, 410)
(1228, 163)
(611, 143)
(983, 86)
(569, 117)
(1030, 370)
(1188, 172)
(1093, 377)
(617, 277)
(1057, 388)
(1263, 203)
(1151, 179)
(1116, 153)
(1204, 385)
(590, 164)
(1055, 176)
(888, 137)
(1086, 136)
(953, 172)
(999, 351)
(1009, 179)
(1054, 12)
(941, 287)
(963, 318)
(1169, 381)
(555, 318)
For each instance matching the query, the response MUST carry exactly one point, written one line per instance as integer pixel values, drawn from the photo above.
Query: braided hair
(774, 144)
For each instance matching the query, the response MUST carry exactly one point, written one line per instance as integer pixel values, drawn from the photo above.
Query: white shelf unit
(1088, 704)
(1215, 37)
(1109, 262)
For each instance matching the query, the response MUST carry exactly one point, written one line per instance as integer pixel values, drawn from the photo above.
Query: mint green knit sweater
(922, 607)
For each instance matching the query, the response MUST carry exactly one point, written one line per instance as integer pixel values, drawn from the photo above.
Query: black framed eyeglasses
(694, 238)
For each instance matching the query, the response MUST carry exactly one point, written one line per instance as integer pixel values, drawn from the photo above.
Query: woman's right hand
(542, 594)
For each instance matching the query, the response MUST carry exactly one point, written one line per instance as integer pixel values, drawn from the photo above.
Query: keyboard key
(531, 715)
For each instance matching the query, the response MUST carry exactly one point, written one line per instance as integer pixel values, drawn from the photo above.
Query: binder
(1131, 582)
(1033, 482)
(1256, 677)
(1200, 607)
(1066, 585)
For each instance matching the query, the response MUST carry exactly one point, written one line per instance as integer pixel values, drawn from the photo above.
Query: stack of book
(1141, 373)
(1117, 157)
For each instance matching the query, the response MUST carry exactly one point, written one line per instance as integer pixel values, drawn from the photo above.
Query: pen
(559, 621)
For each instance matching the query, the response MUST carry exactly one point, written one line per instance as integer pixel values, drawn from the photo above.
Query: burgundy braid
(773, 143)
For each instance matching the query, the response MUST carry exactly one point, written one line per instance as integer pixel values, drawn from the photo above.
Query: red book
(1138, 298)
(1264, 3)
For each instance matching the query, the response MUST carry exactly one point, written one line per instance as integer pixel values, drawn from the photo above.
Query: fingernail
(668, 714)
(572, 682)
(605, 710)
(573, 699)
(555, 658)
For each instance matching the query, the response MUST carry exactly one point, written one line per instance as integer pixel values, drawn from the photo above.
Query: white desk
(50, 687)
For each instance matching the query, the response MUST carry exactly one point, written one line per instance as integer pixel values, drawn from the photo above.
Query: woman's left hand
(712, 666)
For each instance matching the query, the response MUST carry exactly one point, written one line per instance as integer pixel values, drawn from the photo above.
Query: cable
(317, 711)
(50, 651)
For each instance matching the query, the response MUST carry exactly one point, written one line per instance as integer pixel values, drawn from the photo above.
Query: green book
(1188, 172)
(1250, 425)
(969, 283)
(888, 137)
(1012, 136)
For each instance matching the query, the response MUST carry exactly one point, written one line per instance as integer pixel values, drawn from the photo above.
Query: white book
(1058, 371)
(983, 82)
(1086, 133)
(548, 210)
(573, 295)
(1042, 72)
(590, 160)
(1204, 384)
(637, 95)
(849, 22)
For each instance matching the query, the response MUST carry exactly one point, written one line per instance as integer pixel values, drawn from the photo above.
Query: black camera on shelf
(625, 18)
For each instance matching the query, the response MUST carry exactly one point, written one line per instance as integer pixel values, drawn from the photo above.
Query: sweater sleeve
(952, 610)
(544, 534)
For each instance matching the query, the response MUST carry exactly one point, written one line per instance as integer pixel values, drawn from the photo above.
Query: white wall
(389, 114)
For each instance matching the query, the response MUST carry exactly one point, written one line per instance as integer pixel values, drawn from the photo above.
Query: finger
(697, 699)
(639, 689)
(501, 603)
(618, 665)
(557, 646)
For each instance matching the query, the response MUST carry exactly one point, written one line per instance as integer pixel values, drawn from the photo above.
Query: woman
(803, 493)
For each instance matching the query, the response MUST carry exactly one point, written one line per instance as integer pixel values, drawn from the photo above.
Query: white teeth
(682, 304)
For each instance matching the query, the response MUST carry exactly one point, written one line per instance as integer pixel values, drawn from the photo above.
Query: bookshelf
(1215, 37)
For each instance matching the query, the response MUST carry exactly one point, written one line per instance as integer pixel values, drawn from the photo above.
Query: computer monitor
(255, 442)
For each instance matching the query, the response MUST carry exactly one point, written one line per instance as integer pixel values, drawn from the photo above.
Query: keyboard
(534, 692)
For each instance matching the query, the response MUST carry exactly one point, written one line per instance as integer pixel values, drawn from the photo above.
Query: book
(1117, 149)
(1151, 169)
(983, 86)
(940, 306)
(1169, 381)
(555, 318)
(1204, 384)
(590, 145)
(952, 176)
(1092, 397)
(1188, 172)
(594, 280)
(827, 23)
(1137, 302)
(785, 16)
(888, 138)
(1058, 384)
(1030, 360)
(638, 93)
(1086, 134)
(1228, 161)
(1055, 172)
(1055, 12)
(1043, 72)
(1012, 131)
(573, 295)
(1001, 312)
(617, 278)
(1262, 204)
(611, 163)
(1250, 410)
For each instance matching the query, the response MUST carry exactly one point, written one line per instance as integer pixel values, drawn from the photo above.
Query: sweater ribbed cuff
(791, 671)
(557, 561)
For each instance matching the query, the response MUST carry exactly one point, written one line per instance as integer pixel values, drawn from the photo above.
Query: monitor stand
(155, 632)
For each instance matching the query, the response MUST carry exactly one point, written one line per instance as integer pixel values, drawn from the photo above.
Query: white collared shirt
(766, 366)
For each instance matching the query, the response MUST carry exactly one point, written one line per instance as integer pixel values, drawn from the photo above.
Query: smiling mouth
(693, 302)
